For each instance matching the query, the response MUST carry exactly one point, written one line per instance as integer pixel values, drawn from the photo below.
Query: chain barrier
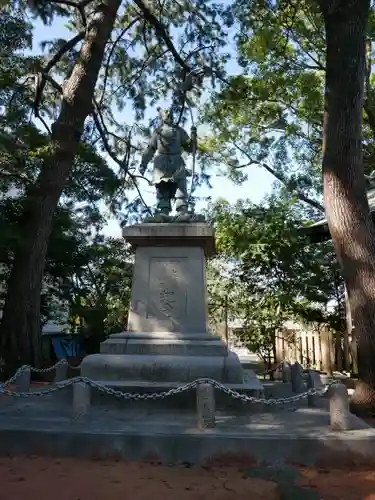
(277, 367)
(24, 368)
(157, 395)
(271, 370)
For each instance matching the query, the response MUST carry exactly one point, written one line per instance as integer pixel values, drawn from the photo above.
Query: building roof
(52, 328)
(319, 230)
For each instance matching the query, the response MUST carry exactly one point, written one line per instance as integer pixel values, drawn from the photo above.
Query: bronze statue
(169, 174)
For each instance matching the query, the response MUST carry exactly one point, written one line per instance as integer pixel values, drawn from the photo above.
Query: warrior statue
(169, 172)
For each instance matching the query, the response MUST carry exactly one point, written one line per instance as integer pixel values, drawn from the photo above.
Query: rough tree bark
(20, 329)
(347, 210)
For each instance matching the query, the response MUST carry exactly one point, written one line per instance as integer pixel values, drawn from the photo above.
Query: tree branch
(80, 6)
(63, 50)
(112, 155)
(122, 33)
(280, 178)
(45, 125)
(161, 32)
(43, 77)
(284, 181)
(54, 83)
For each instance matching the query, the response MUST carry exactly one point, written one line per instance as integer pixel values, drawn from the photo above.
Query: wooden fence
(317, 349)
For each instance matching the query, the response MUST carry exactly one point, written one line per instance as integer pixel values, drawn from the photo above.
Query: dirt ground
(37, 478)
(41, 478)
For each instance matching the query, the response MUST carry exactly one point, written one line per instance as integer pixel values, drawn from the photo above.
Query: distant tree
(275, 274)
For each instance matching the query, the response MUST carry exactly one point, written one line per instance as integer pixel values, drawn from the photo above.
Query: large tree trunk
(347, 210)
(20, 333)
(347, 332)
(326, 347)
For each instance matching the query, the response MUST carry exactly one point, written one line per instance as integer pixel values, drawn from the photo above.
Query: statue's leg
(181, 197)
(163, 205)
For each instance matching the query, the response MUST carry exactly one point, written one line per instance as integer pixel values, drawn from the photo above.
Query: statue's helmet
(165, 115)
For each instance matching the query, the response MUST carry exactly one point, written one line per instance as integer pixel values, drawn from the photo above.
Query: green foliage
(98, 289)
(271, 117)
(72, 250)
(224, 293)
(276, 275)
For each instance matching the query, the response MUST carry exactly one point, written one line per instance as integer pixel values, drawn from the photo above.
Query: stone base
(162, 368)
(37, 427)
(163, 357)
(167, 342)
(147, 362)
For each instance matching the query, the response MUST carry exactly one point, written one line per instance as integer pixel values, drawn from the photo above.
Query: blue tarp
(65, 347)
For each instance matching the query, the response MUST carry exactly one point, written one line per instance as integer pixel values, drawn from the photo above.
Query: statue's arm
(149, 153)
(186, 142)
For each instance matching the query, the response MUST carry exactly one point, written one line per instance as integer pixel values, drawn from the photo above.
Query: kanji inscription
(167, 290)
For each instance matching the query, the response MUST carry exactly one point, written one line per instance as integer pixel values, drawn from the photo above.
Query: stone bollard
(298, 384)
(314, 382)
(339, 407)
(23, 381)
(61, 372)
(205, 406)
(81, 398)
(285, 372)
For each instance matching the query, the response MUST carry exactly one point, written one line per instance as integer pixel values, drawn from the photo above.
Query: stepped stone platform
(47, 426)
(167, 343)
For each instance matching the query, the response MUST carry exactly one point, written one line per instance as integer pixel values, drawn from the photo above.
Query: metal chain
(24, 368)
(271, 370)
(161, 395)
(273, 401)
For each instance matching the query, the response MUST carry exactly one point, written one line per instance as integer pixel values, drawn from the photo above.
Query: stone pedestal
(167, 341)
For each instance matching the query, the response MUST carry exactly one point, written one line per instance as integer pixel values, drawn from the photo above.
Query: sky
(259, 181)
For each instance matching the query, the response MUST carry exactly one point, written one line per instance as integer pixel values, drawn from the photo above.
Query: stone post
(314, 382)
(339, 407)
(298, 384)
(286, 373)
(23, 381)
(205, 406)
(61, 372)
(81, 398)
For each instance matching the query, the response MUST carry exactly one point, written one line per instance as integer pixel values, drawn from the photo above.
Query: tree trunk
(347, 332)
(325, 339)
(347, 210)
(338, 352)
(20, 334)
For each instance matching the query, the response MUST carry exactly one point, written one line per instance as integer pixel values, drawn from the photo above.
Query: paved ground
(47, 425)
(295, 433)
(45, 413)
